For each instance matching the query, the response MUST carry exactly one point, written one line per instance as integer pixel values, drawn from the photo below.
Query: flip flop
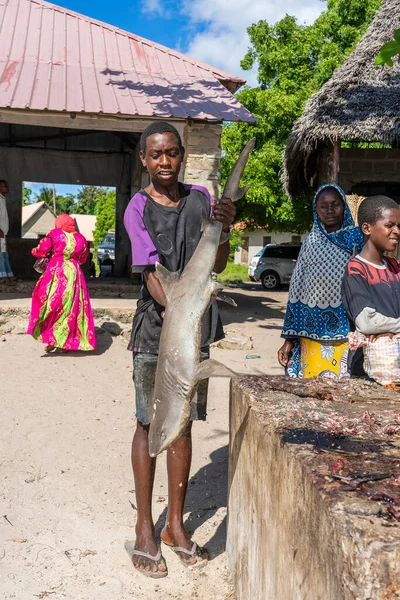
(195, 551)
(131, 550)
(49, 349)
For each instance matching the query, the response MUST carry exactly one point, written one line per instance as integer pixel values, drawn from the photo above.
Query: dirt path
(67, 501)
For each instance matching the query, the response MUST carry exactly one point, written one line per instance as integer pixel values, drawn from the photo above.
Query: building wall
(257, 239)
(359, 165)
(40, 224)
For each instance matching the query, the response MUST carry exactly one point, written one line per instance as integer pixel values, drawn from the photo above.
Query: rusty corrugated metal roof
(54, 59)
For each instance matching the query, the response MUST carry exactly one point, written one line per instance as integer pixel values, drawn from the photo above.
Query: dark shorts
(144, 375)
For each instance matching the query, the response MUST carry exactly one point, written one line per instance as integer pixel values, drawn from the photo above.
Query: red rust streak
(9, 73)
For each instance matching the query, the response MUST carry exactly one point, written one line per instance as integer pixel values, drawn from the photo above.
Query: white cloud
(153, 8)
(223, 41)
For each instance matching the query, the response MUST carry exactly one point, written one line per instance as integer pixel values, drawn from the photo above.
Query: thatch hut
(349, 131)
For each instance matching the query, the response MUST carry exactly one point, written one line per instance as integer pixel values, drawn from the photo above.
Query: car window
(109, 240)
(270, 252)
(288, 252)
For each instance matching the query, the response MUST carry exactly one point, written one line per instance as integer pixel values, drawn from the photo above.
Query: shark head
(168, 423)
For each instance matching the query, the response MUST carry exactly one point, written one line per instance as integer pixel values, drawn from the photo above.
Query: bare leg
(179, 458)
(143, 470)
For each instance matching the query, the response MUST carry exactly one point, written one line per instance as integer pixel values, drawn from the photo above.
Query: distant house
(85, 224)
(37, 220)
(254, 240)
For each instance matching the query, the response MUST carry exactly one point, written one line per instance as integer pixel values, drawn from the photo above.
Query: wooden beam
(80, 121)
(330, 164)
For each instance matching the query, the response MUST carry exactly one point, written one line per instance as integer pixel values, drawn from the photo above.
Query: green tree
(45, 195)
(26, 195)
(64, 204)
(389, 51)
(105, 216)
(293, 62)
(88, 198)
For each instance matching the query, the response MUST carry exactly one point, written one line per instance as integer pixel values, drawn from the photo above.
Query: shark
(189, 294)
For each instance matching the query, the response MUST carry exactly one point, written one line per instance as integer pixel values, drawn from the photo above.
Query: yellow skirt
(324, 359)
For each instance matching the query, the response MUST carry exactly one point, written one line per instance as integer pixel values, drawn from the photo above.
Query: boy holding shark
(164, 224)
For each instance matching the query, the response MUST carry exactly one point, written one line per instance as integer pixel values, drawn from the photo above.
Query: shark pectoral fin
(167, 279)
(227, 299)
(213, 368)
(216, 289)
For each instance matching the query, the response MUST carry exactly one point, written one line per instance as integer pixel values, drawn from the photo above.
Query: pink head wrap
(66, 223)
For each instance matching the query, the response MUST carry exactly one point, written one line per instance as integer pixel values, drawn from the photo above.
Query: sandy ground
(67, 502)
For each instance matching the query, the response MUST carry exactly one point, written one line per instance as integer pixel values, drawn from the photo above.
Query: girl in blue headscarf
(316, 326)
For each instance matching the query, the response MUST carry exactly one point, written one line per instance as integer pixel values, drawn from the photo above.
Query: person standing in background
(6, 273)
(61, 315)
(316, 326)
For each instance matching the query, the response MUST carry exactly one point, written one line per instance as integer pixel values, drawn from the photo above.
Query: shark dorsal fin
(167, 279)
(213, 368)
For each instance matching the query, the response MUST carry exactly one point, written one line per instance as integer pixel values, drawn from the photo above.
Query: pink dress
(61, 314)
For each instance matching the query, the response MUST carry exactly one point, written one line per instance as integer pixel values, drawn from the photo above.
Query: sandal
(196, 552)
(49, 348)
(158, 560)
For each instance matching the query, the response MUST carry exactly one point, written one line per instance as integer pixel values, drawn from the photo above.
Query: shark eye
(162, 435)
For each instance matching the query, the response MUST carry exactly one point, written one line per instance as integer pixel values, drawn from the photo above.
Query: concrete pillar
(202, 165)
(124, 193)
(132, 183)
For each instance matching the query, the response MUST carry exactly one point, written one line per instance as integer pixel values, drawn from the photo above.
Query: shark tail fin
(167, 279)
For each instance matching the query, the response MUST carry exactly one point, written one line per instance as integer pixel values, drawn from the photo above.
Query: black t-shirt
(368, 285)
(169, 235)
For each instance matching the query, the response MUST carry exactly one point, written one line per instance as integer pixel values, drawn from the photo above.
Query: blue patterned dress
(315, 310)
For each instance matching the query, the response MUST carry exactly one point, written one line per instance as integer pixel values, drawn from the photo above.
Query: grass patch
(234, 274)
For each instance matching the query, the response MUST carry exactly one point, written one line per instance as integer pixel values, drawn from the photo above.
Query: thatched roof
(361, 101)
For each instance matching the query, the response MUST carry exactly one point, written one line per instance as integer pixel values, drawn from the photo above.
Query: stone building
(349, 132)
(75, 95)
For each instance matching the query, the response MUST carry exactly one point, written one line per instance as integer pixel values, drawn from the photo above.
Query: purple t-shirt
(168, 235)
(144, 221)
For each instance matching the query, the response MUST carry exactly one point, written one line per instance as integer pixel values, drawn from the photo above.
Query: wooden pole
(330, 164)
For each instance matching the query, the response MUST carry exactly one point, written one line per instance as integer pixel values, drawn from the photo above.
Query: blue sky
(62, 189)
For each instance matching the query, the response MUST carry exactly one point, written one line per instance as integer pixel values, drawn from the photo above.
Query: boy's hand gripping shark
(189, 294)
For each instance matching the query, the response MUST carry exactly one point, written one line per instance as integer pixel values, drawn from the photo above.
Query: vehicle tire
(270, 280)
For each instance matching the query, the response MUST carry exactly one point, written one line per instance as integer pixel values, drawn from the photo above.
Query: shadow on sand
(260, 306)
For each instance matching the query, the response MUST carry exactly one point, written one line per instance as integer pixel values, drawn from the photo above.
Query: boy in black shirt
(164, 224)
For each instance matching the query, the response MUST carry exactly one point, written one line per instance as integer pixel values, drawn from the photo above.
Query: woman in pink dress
(61, 315)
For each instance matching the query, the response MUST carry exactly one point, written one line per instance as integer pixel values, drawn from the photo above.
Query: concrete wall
(294, 533)
(370, 164)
